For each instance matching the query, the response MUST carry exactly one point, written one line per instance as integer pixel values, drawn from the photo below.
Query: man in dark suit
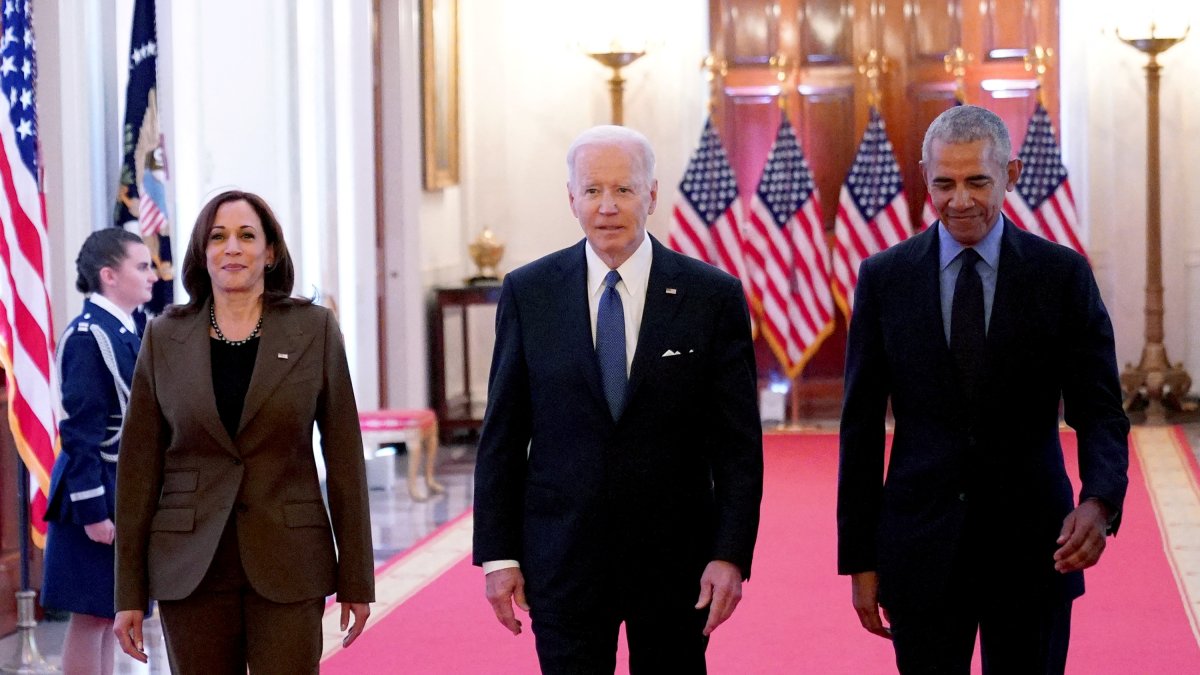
(975, 331)
(619, 469)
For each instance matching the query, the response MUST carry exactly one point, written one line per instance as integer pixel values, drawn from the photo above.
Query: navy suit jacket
(82, 485)
(996, 469)
(673, 484)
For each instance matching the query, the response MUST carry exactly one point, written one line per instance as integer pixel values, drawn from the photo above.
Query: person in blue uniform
(96, 356)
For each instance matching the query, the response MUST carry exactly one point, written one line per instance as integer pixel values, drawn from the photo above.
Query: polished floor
(397, 522)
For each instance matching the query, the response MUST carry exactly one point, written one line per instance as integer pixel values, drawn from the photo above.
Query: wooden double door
(818, 46)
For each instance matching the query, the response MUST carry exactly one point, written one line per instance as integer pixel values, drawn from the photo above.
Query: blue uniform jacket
(82, 486)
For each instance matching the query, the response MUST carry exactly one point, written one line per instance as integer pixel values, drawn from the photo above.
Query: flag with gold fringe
(26, 333)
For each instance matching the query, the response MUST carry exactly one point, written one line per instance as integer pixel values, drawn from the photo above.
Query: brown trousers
(224, 626)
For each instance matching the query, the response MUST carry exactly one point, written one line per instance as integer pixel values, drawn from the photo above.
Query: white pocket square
(670, 352)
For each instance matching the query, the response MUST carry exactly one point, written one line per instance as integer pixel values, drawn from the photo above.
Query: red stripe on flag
(27, 350)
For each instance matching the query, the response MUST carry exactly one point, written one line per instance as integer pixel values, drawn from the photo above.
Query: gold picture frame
(439, 91)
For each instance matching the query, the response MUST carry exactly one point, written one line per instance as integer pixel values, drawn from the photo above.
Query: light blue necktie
(610, 344)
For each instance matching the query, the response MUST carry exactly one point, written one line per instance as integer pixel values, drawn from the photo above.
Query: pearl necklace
(212, 317)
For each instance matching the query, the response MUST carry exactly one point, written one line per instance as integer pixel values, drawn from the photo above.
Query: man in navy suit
(975, 331)
(619, 468)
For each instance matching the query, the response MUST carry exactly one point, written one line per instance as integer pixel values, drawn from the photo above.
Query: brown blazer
(180, 475)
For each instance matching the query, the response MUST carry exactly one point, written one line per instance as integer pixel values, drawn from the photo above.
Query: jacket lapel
(281, 346)
(193, 370)
(1011, 282)
(927, 288)
(658, 313)
(927, 307)
(577, 323)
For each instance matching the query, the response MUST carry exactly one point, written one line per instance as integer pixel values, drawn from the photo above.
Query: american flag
(787, 259)
(26, 334)
(872, 210)
(1042, 202)
(929, 215)
(707, 215)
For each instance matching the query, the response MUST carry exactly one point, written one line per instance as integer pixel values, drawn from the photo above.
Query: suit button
(242, 508)
(962, 496)
(237, 462)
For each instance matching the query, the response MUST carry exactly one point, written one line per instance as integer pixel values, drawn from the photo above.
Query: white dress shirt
(635, 277)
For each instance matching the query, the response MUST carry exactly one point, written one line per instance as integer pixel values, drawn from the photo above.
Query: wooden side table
(456, 411)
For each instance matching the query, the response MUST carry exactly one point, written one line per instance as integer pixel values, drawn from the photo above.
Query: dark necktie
(967, 326)
(610, 344)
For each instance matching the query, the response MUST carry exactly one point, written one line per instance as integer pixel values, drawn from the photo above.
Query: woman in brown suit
(220, 516)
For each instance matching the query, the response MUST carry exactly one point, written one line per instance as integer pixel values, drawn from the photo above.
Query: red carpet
(795, 616)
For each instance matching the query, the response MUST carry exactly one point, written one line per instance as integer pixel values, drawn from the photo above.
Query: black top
(232, 367)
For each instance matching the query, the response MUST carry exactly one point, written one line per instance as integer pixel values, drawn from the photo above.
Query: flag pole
(27, 660)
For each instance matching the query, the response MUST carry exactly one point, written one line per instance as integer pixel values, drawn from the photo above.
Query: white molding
(353, 126)
(73, 77)
(404, 280)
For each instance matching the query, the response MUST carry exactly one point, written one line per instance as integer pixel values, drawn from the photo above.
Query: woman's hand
(128, 628)
(361, 611)
(102, 532)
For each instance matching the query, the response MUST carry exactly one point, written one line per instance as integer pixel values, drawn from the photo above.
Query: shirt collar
(988, 248)
(110, 307)
(635, 271)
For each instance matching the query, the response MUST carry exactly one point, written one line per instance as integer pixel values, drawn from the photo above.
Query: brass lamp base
(1156, 386)
(616, 84)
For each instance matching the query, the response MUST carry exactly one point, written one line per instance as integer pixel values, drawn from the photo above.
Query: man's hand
(1083, 537)
(361, 611)
(505, 587)
(865, 596)
(720, 591)
(101, 532)
(128, 628)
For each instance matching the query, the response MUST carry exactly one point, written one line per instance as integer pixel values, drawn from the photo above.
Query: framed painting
(439, 91)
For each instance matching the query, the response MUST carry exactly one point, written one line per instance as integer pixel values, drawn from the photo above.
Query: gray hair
(967, 124)
(609, 134)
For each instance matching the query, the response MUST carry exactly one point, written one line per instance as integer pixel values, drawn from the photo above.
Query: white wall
(1104, 132)
(528, 90)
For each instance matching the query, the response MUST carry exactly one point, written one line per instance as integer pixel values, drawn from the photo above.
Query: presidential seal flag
(142, 195)
(26, 334)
